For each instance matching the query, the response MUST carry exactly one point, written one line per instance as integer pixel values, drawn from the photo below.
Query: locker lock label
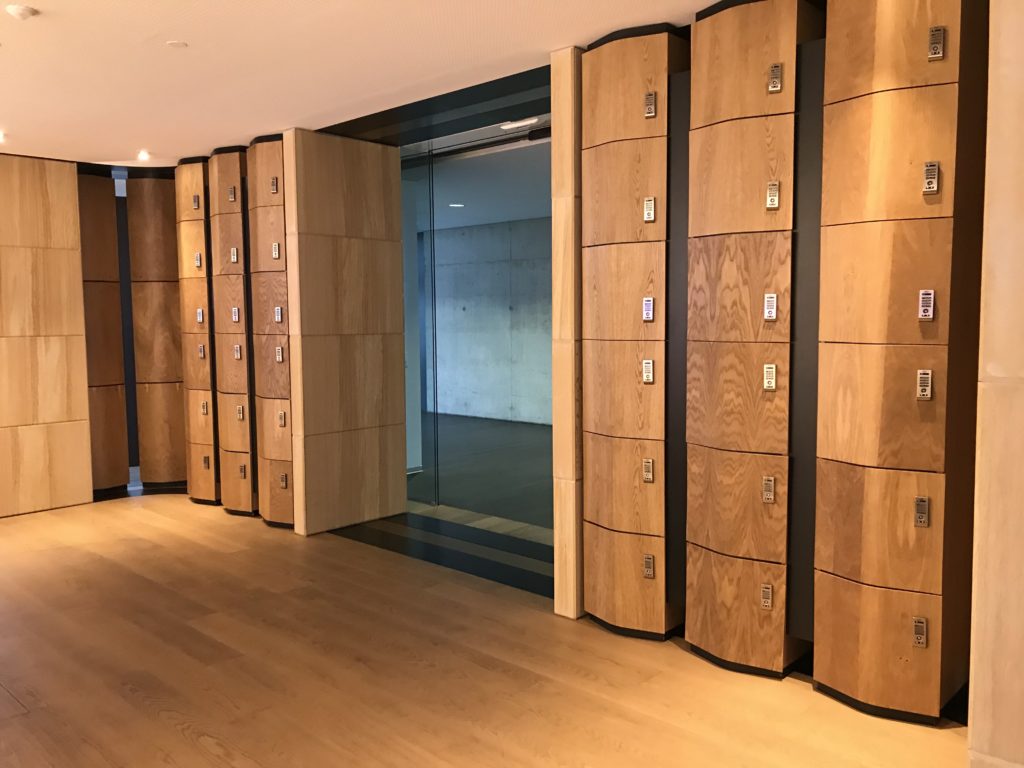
(650, 105)
(931, 178)
(775, 78)
(206, 462)
(936, 43)
(924, 384)
(279, 354)
(199, 259)
(772, 196)
(202, 351)
(648, 309)
(648, 567)
(234, 314)
(767, 596)
(278, 314)
(273, 185)
(648, 210)
(284, 481)
(920, 632)
(926, 305)
(768, 489)
(241, 471)
(231, 194)
(195, 202)
(771, 307)
(204, 408)
(648, 470)
(199, 315)
(922, 512)
(282, 418)
(234, 255)
(769, 377)
(238, 351)
(240, 412)
(648, 372)
(275, 251)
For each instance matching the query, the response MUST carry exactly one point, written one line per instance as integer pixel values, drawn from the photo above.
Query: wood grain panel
(156, 321)
(190, 182)
(728, 277)
(351, 382)
(161, 418)
(616, 279)
(889, 136)
(40, 292)
(614, 492)
(199, 425)
(274, 439)
(264, 161)
(617, 592)
(192, 243)
(104, 350)
(225, 170)
(97, 214)
(616, 178)
(617, 77)
(355, 285)
(152, 231)
(872, 275)
(725, 509)
(229, 303)
(232, 363)
(233, 422)
(724, 616)
(868, 411)
(38, 203)
(196, 354)
(730, 166)
(567, 409)
(237, 490)
(276, 504)
(727, 406)
(875, 45)
(227, 232)
(273, 379)
(269, 291)
(865, 528)
(616, 402)
(108, 430)
(43, 380)
(863, 644)
(266, 228)
(202, 473)
(44, 466)
(194, 296)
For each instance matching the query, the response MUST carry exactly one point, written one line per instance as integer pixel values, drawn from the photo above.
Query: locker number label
(648, 372)
(922, 512)
(234, 314)
(775, 78)
(924, 384)
(279, 354)
(648, 467)
(772, 196)
(648, 566)
(278, 314)
(648, 309)
(768, 489)
(926, 305)
(231, 194)
(238, 351)
(931, 178)
(936, 43)
(648, 209)
(769, 377)
(650, 105)
(234, 255)
(275, 251)
(766, 597)
(771, 307)
(920, 632)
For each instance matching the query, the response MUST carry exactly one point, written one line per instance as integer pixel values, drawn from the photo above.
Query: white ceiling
(93, 80)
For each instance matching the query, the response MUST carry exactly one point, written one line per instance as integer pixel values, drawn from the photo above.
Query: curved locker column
(900, 284)
(197, 338)
(229, 262)
(738, 361)
(268, 286)
(108, 420)
(629, 566)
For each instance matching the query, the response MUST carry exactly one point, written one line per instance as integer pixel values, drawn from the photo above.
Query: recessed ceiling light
(21, 12)
(143, 155)
(177, 44)
(3, 137)
(456, 205)
(520, 124)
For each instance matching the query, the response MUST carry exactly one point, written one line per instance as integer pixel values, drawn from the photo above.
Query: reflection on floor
(496, 468)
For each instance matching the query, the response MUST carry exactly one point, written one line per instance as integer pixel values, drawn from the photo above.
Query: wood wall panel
(269, 291)
(190, 191)
(865, 529)
(876, 45)
(616, 591)
(97, 215)
(40, 292)
(871, 277)
(724, 616)
(196, 354)
(162, 454)
(616, 402)
(727, 406)
(725, 507)
(616, 178)
(616, 279)
(227, 232)
(192, 242)
(225, 176)
(229, 308)
(105, 352)
(152, 231)
(264, 161)
(276, 491)
(38, 203)
(267, 229)
(868, 411)
(43, 381)
(44, 466)
(274, 438)
(615, 495)
(233, 371)
(233, 422)
(108, 429)
(237, 489)
(156, 318)
(199, 426)
(728, 277)
(725, 199)
(864, 644)
(890, 136)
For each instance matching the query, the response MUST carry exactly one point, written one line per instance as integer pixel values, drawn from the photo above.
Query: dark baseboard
(871, 709)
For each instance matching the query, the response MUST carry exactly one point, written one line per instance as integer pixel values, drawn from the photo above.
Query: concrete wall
(493, 292)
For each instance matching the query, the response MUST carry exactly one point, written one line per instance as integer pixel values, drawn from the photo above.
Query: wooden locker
(225, 173)
(229, 303)
(237, 492)
(725, 615)
(868, 528)
(227, 244)
(163, 456)
(195, 305)
(269, 302)
(868, 407)
(233, 422)
(615, 492)
(190, 191)
(879, 45)
(274, 428)
(729, 508)
(730, 279)
(202, 472)
(156, 318)
(199, 412)
(192, 261)
(232, 363)
(864, 645)
(108, 423)
(265, 164)
(273, 375)
(872, 276)
(267, 249)
(616, 590)
(616, 402)
(617, 280)
(618, 78)
(727, 405)
(617, 179)
(275, 487)
(152, 231)
(97, 216)
(890, 136)
(196, 354)
(105, 352)
(731, 165)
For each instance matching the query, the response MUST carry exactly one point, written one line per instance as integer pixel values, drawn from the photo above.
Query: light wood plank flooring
(155, 632)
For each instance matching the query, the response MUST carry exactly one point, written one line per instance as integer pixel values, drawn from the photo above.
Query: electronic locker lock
(922, 512)
(767, 596)
(238, 351)
(282, 419)
(195, 202)
(931, 178)
(202, 351)
(232, 193)
(284, 481)
(278, 315)
(924, 384)
(647, 310)
(234, 255)
(648, 566)
(926, 305)
(273, 185)
(936, 43)
(771, 307)
(770, 377)
(648, 470)
(648, 210)
(768, 489)
(240, 412)
(199, 316)
(199, 259)
(775, 78)
(650, 105)
(234, 314)
(204, 408)
(920, 632)
(275, 251)
(279, 354)
(241, 471)
(647, 372)
(771, 202)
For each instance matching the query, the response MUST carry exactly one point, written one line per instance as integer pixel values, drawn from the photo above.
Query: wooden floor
(155, 632)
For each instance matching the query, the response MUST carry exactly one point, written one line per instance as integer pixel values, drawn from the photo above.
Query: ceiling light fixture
(3, 137)
(143, 155)
(520, 124)
(456, 205)
(21, 12)
(177, 44)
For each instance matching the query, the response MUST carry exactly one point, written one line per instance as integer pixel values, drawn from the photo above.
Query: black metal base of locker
(207, 502)
(871, 709)
(241, 512)
(275, 524)
(106, 494)
(174, 486)
(636, 633)
(734, 666)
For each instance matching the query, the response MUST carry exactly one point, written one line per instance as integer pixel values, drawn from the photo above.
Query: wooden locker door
(202, 477)
(192, 249)
(617, 179)
(267, 240)
(190, 191)
(233, 422)
(274, 428)
(617, 279)
(265, 164)
(232, 363)
(227, 244)
(275, 487)
(229, 303)
(225, 173)
(615, 493)
(236, 488)
(616, 402)
(195, 305)
(269, 303)
(199, 416)
(273, 376)
(196, 353)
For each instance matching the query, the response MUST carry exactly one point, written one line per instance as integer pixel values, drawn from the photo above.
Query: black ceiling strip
(95, 169)
(150, 173)
(647, 29)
